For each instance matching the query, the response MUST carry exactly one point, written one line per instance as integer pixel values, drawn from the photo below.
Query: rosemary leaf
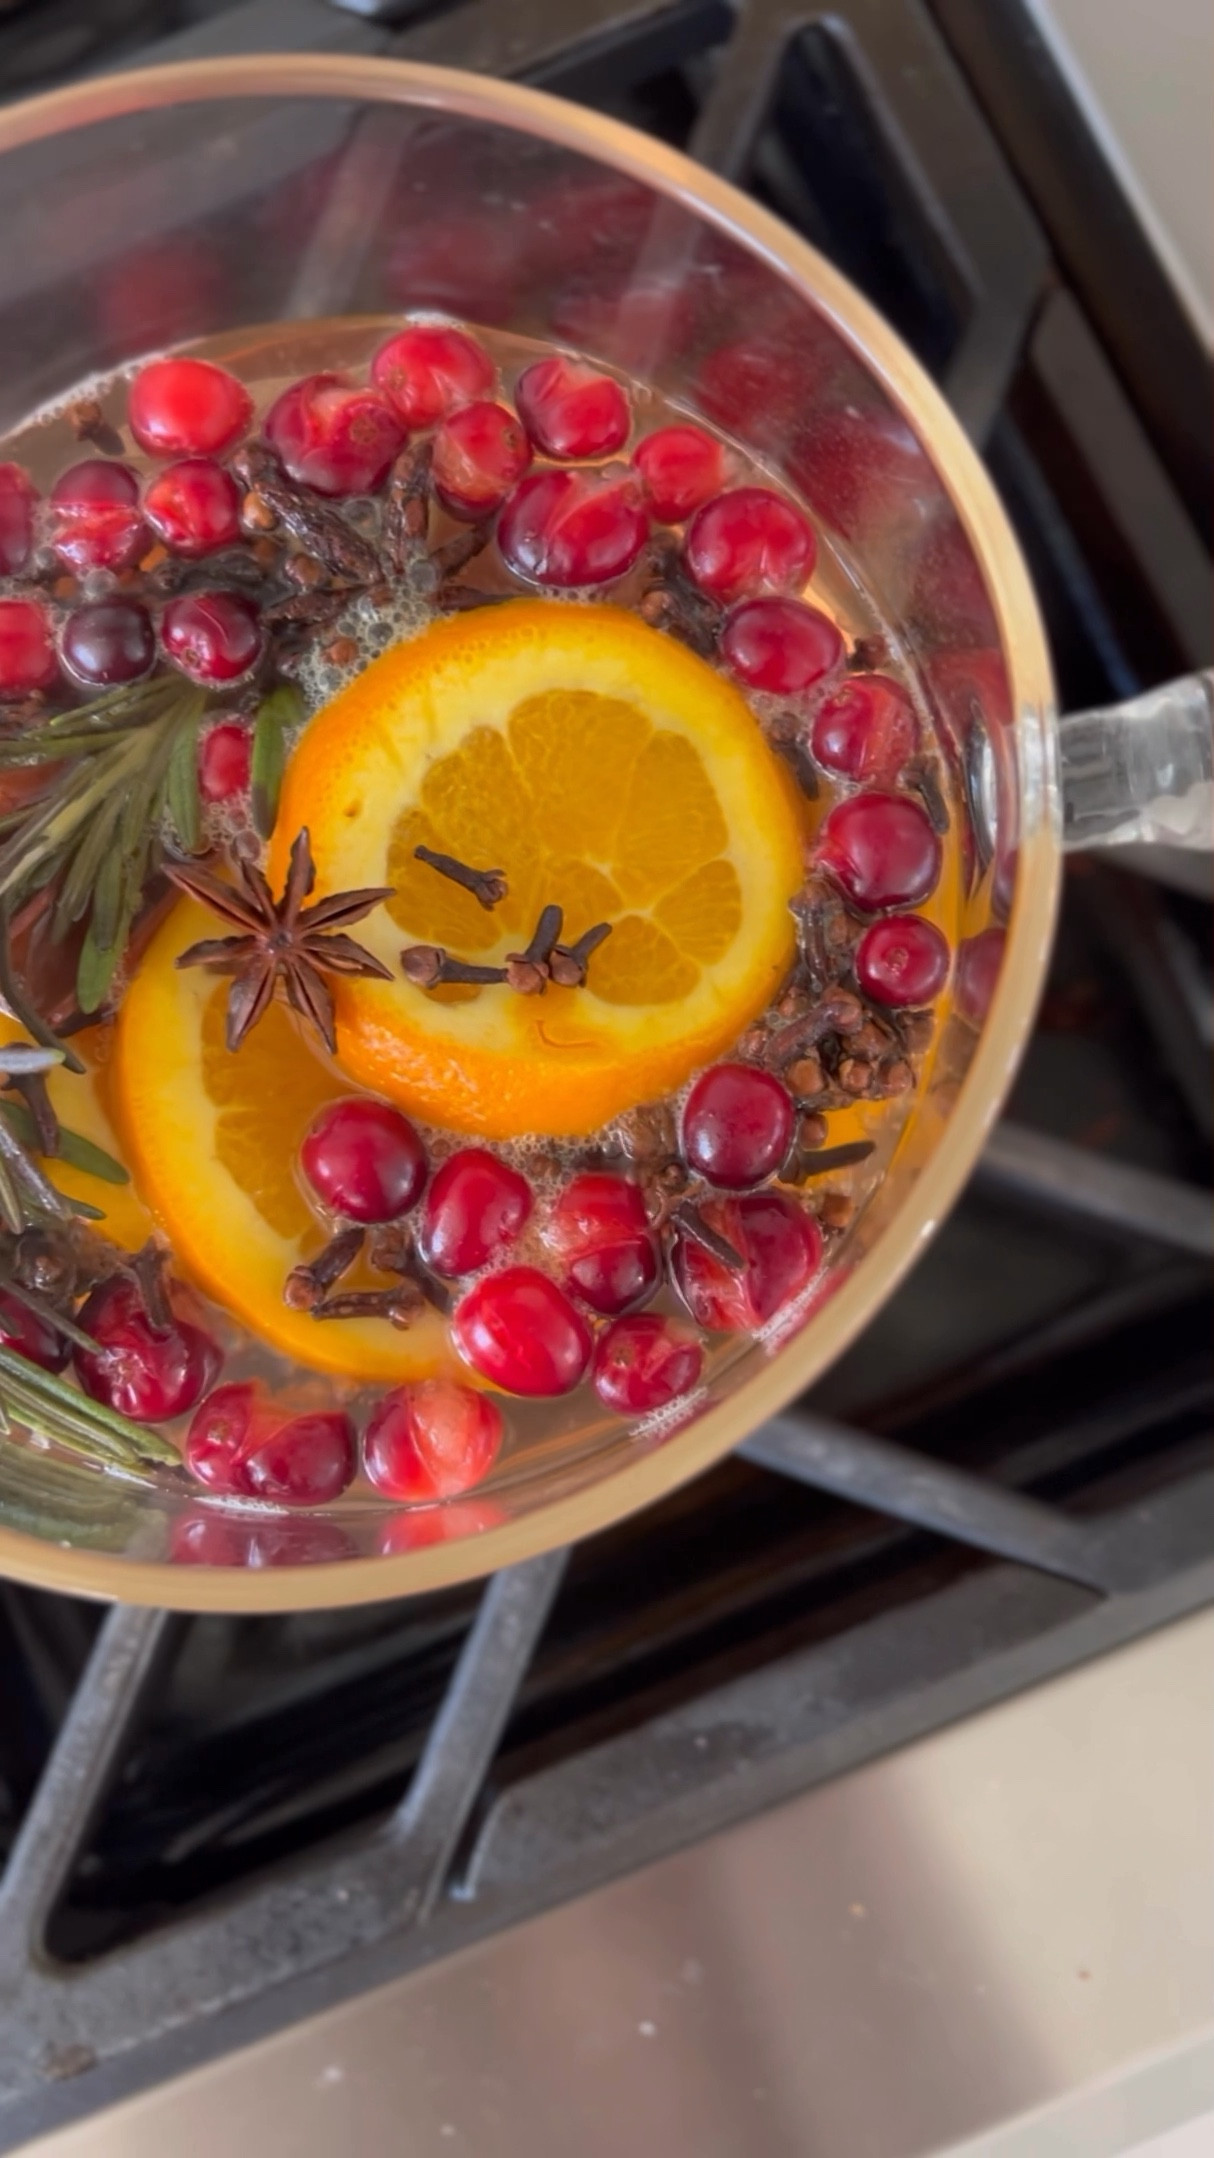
(277, 715)
(48, 1405)
(96, 967)
(181, 789)
(109, 893)
(12, 1213)
(62, 1321)
(74, 1148)
(84, 1210)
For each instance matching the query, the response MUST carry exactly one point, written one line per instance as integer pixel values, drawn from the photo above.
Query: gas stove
(211, 1826)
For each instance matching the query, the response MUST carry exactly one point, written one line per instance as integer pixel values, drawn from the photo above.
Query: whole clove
(487, 886)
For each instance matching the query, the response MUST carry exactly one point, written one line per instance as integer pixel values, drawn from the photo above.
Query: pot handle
(1141, 771)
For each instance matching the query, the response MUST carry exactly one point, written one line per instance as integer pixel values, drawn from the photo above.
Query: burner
(1007, 1475)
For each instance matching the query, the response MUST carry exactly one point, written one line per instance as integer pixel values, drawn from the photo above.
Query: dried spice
(274, 501)
(670, 601)
(281, 940)
(306, 1285)
(487, 886)
(406, 512)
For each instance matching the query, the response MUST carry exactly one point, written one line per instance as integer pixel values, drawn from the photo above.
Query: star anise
(280, 939)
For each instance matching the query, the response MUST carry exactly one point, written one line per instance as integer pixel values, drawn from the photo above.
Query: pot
(145, 209)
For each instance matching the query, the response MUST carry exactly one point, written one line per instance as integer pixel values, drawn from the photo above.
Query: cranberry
(430, 370)
(22, 1329)
(902, 960)
(187, 408)
(682, 468)
(881, 849)
(146, 1375)
(27, 654)
(17, 499)
(573, 528)
(332, 437)
(749, 541)
(600, 1230)
(108, 641)
(475, 1209)
(431, 1440)
(779, 1245)
(521, 1332)
(570, 410)
(866, 730)
(737, 1125)
(194, 506)
(364, 1159)
(212, 636)
(479, 453)
(244, 1444)
(95, 516)
(643, 1362)
(781, 645)
(225, 759)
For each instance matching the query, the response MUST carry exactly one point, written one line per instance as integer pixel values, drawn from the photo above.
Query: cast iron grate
(1009, 1474)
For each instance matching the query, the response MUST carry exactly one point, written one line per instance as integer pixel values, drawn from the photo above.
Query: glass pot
(142, 210)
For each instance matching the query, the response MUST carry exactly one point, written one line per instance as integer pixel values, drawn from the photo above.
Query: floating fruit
(27, 651)
(212, 1139)
(476, 1208)
(574, 528)
(193, 506)
(479, 453)
(570, 409)
(225, 757)
(865, 730)
(750, 541)
(213, 637)
(737, 1125)
(30, 1334)
(430, 370)
(781, 645)
(881, 849)
(778, 1248)
(490, 737)
(364, 1160)
(682, 468)
(96, 520)
(431, 1441)
(519, 1330)
(902, 960)
(246, 1443)
(108, 641)
(187, 408)
(599, 1232)
(645, 1362)
(334, 437)
(146, 1372)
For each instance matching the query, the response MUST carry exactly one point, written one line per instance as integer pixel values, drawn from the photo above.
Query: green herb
(277, 717)
(48, 1407)
(124, 765)
(73, 1147)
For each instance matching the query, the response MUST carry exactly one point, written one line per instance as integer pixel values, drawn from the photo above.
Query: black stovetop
(211, 1814)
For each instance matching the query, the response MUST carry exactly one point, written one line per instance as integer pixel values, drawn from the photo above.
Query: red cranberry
(682, 468)
(22, 1329)
(430, 370)
(748, 542)
(600, 1230)
(108, 641)
(194, 506)
(364, 1159)
(212, 636)
(27, 654)
(17, 499)
(780, 645)
(979, 961)
(902, 960)
(244, 1444)
(334, 438)
(573, 528)
(643, 1362)
(145, 1375)
(570, 410)
(95, 516)
(881, 849)
(866, 730)
(521, 1332)
(479, 453)
(780, 1248)
(737, 1125)
(431, 1440)
(475, 1209)
(225, 759)
(187, 408)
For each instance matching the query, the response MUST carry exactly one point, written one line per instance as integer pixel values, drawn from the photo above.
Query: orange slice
(211, 1139)
(605, 769)
(78, 1100)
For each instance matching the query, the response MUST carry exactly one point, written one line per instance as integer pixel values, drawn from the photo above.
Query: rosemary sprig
(119, 768)
(50, 1408)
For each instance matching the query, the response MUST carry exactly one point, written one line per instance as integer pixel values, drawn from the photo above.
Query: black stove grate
(214, 1825)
